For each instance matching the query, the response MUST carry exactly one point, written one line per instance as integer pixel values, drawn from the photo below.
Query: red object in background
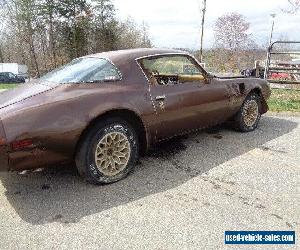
(284, 76)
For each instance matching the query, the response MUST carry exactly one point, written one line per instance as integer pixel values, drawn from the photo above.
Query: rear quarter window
(84, 70)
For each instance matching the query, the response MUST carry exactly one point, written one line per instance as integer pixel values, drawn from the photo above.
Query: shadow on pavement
(60, 194)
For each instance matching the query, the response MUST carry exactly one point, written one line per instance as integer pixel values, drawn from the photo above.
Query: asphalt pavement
(183, 195)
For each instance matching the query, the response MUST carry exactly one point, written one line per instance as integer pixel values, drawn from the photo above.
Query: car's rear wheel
(248, 117)
(108, 152)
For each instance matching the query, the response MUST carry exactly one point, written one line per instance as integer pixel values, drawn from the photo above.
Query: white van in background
(17, 69)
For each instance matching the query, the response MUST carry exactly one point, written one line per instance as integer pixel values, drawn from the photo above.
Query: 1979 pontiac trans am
(102, 111)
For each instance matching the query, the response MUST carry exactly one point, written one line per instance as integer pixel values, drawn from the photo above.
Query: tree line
(45, 34)
(233, 48)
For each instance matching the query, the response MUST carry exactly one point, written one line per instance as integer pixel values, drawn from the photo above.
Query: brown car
(104, 110)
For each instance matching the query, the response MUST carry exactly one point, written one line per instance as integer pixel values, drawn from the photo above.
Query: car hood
(22, 92)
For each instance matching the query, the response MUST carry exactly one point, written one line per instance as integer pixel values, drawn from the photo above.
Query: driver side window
(171, 70)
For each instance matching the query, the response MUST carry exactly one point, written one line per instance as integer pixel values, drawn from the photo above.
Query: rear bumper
(41, 154)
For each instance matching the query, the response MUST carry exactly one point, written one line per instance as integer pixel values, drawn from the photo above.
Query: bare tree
(132, 36)
(145, 38)
(294, 6)
(232, 39)
(1, 54)
(44, 34)
(231, 31)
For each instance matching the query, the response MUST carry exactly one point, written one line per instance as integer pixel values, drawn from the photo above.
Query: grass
(8, 85)
(284, 100)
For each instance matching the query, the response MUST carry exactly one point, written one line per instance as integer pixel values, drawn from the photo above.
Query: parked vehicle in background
(8, 77)
(104, 110)
(17, 69)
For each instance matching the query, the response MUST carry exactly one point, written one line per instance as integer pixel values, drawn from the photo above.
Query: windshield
(84, 70)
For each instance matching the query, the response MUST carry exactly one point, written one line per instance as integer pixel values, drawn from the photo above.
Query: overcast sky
(176, 23)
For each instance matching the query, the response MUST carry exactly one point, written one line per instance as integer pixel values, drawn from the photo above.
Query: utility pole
(273, 22)
(270, 43)
(202, 30)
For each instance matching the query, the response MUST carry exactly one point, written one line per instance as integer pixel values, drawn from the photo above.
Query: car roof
(125, 60)
(132, 54)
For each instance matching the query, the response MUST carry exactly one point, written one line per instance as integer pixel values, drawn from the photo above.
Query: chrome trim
(160, 98)
(172, 54)
(162, 54)
(149, 87)
(146, 77)
(110, 61)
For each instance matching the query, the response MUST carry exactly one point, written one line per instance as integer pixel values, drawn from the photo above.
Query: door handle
(160, 98)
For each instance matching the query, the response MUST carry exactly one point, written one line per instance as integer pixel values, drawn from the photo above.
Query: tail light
(2, 141)
(23, 144)
(2, 134)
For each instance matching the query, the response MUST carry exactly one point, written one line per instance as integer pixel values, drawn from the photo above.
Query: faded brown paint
(55, 117)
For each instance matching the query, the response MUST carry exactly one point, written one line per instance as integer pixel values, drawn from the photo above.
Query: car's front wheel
(248, 117)
(108, 152)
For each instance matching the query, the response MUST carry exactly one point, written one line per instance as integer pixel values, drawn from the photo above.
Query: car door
(182, 96)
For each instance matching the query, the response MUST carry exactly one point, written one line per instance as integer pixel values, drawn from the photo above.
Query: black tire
(240, 123)
(85, 156)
